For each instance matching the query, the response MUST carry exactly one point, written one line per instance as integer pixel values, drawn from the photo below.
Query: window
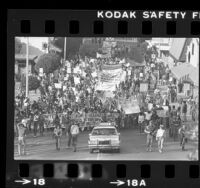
(104, 131)
(189, 57)
(192, 48)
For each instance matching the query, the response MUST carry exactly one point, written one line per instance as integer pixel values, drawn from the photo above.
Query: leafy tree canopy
(49, 62)
(33, 82)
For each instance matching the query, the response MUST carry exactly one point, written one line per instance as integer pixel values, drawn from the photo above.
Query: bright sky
(34, 41)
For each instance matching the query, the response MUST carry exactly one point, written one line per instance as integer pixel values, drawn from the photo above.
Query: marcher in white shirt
(74, 132)
(148, 116)
(160, 135)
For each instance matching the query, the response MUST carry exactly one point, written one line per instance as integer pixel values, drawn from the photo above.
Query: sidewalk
(47, 139)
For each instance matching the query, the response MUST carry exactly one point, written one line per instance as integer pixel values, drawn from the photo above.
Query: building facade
(192, 54)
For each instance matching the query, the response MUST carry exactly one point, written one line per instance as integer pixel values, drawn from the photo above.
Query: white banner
(110, 78)
(129, 106)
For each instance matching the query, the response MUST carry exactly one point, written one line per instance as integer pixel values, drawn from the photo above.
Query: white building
(192, 54)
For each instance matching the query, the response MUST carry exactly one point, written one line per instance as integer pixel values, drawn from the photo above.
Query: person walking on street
(57, 135)
(182, 131)
(184, 111)
(149, 130)
(69, 135)
(193, 111)
(35, 123)
(173, 112)
(160, 135)
(74, 132)
(141, 121)
(64, 121)
(21, 129)
(41, 123)
(148, 117)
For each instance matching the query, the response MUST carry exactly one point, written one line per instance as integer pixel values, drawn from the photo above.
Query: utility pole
(65, 43)
(27, 59)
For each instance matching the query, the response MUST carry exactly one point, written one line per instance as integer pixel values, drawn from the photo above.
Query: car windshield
(106, 131)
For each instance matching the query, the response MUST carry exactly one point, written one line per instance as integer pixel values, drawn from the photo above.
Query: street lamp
(27, 65)
(65, 42)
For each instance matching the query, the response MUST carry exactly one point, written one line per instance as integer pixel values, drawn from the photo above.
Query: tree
(33, 83)
(136, 53)
(89, 50)
(149, 52)
(49, 62)
(72, 45)
(18, 45)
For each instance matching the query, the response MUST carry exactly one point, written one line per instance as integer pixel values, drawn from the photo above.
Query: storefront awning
(180, 71)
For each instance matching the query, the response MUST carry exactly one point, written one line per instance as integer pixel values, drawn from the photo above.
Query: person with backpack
(74, 133)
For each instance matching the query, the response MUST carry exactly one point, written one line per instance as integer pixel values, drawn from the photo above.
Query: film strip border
(98, 27)
(74, 170)
(86, 23)
(103, 173)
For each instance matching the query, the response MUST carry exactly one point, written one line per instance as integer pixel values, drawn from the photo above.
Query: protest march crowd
(69, 96)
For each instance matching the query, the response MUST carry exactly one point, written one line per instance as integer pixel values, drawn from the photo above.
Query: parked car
(104, 137)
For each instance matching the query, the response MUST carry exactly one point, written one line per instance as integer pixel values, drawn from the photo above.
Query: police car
(104, 137)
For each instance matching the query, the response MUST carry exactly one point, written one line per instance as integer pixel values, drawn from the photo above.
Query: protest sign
(94, 74)
(58, 85)
(83, 73)
(150, 106)
(77, 70)
(143, 87)
(129, 106)
(64, 88)
(69, 70)
(40, 71)
(76, 80)
(186, 87)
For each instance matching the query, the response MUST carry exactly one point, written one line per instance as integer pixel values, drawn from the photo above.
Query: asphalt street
(133, 147)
